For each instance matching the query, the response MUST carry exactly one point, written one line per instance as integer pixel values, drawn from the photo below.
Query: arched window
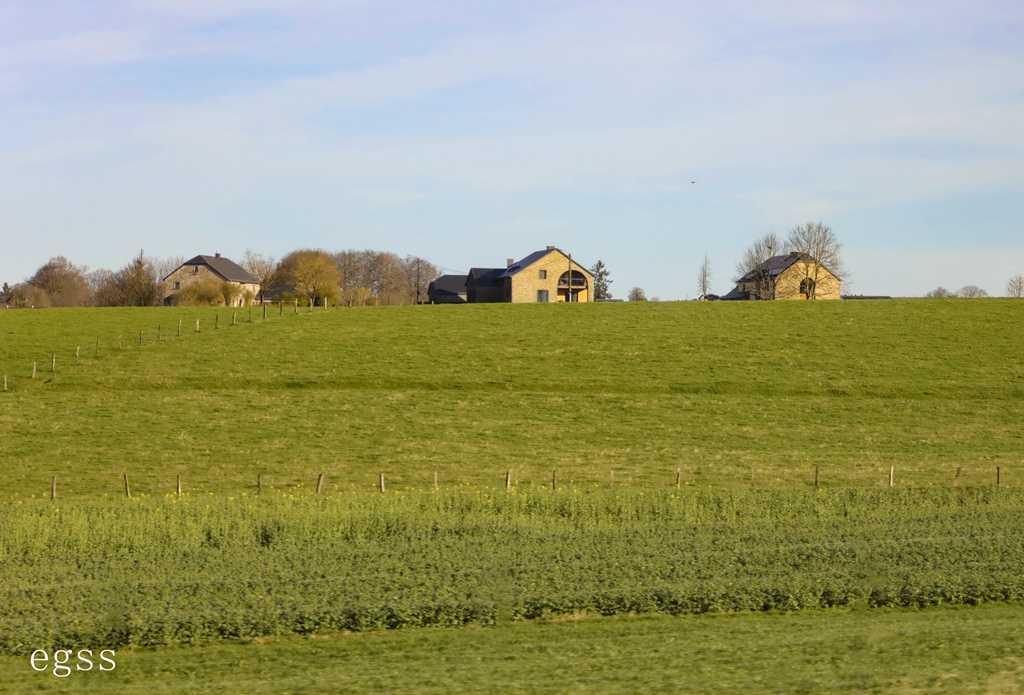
(807, 288)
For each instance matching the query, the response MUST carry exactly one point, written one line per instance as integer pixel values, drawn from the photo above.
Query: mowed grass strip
(938, 650)
(725, 392)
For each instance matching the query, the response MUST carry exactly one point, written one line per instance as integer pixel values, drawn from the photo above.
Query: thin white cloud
(86, 49)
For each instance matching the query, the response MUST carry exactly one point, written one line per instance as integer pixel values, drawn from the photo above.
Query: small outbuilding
(447, 289)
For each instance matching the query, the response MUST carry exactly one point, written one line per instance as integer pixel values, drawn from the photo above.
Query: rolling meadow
(683, 439)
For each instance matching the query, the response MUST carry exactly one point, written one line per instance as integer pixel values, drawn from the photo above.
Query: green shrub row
(156, 571)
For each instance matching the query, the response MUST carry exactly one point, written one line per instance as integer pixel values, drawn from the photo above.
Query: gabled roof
(533, 258)
(227, 269)
(734, 294)
(485, 276)
(776, 265)
(455, 284)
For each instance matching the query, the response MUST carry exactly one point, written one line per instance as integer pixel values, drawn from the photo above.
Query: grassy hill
(714, 389)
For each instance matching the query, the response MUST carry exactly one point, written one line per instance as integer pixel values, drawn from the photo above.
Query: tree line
(352, 278)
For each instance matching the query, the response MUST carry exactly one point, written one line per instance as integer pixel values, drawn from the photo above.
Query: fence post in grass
(382, 482)
(77, 351)
(179, 485)
(159, 331)
(679, 477)
(197, 325)
(319, 483)
(554, 479)
(259, 483)
(33, 369)
(435, 481)
(997, 467)
(119, 342)
(264, 312)
(53, 488)
(127, 487)
(216, 321)
(179, 328)
(53, 361)
(815, 477)
(956, 477)
(508, 480)
(233, 314)
(892, 472)
(140, 338)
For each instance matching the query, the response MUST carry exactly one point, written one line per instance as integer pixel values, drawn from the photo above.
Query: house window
(807, 288)
(177, 285)
(195, 269)
(543, 274)
(542, 295)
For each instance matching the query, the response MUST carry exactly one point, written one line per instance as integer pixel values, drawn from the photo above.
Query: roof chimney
(551, 248)
(216, 254)
(510, 262)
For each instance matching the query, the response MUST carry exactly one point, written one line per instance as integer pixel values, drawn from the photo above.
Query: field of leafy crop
(715, 390)
(202, 568)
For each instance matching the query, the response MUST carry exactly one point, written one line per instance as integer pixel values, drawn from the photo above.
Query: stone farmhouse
(792, 276)
(544, 276)
(215, 267)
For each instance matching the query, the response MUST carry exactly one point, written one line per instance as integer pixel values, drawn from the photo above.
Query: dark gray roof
(735, 293)
(455, 284)
(773, 266)
(529, 260)
(227, 269)
(486, 276)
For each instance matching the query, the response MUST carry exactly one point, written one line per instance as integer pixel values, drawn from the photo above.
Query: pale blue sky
(470, 132)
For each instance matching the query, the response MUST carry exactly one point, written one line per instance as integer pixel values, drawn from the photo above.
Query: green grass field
(715, 389)
(939, 650)
(732, 395)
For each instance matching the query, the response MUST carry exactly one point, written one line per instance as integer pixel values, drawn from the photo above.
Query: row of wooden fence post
(159, 335)
(508, 481)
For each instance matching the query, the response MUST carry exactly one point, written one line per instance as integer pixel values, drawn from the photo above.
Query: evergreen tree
(601, 281)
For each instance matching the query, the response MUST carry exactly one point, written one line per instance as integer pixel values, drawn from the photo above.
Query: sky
(645, 134)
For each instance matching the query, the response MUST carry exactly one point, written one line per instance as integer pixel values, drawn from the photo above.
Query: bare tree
(971, 292)
(1015, 286)
(704, 278)
(25, 295)
(312, 273)
(821, 248)
(133, 285)
(940, 293)
(636, 294)
(754, 269)
(64, 282)
(263, 268)
(418, 276)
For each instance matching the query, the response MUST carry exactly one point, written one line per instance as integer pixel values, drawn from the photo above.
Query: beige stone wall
(190, 274)
(787, 285)
(527, 281)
